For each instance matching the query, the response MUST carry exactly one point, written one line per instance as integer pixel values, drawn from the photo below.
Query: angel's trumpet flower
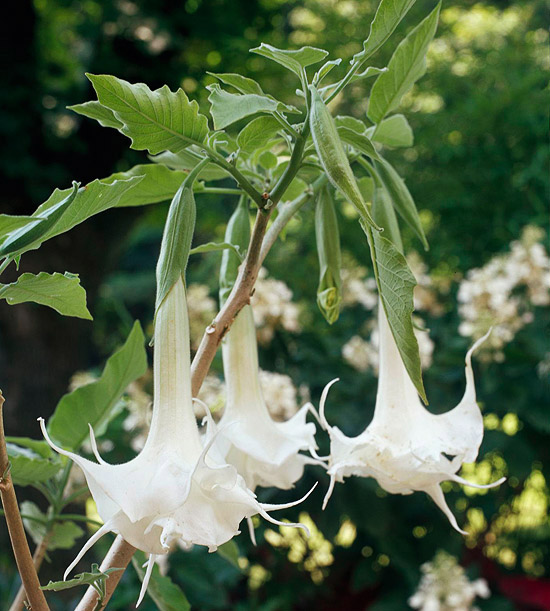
(405, 447)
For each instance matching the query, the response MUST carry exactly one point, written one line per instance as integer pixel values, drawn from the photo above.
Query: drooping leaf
(82, 579)
(216, 246)
(158, 120)
(360, 142)
(400, 196)
(388, 15)
(94, 110)
(227, 108)
(63, 534)
(94, 402)
(187, 160)
(29, 466)
(257, 133)
(395, 283)
(62, 292)
(294, 60)
(407, 65)
(165, 593)
(393, 131)
(241, 83)
(92, 199)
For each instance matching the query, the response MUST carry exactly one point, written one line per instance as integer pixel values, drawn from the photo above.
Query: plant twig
(118, 556)
(18, 538)
(37, 558)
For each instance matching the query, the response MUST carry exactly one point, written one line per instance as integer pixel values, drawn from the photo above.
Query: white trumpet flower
(405, 447)
(174, 490)
(265, 452)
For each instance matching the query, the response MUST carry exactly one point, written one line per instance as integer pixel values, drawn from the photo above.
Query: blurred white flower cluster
(502, 292)
(445, 587)
(202, 309)
(273, 307)
(362, 354)
(279, 393)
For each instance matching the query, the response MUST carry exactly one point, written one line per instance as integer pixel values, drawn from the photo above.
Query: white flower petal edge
(405, 447)
(265, 452)
(175, 489)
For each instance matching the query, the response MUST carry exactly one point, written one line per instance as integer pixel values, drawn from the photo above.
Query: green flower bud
(329, 294)
(238, 234)
(177, 236)
(332, 155)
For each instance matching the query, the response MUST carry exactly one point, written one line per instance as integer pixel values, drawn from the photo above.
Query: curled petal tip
(324, 395)
(476, 345)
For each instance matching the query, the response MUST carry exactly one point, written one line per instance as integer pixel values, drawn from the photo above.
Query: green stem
(5, 264)
(218, 191)
(293, 165)
(277, 115)
(347, 78)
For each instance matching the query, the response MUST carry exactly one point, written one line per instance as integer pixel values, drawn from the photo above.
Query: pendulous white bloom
(265, 452)
(405, 447)
(174, 490)
(445, 587)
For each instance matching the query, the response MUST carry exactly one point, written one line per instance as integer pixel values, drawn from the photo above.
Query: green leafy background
(478, 173)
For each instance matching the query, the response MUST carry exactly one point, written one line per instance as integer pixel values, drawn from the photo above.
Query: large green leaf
(393, 131)
(295, 60)
(227, 108)
(241, 83)
(94, 198)
(395, 286)
(62, 292)
(166, 594)
(187, 160)
(257, 133)
(400, 196)
(94, 110)
(387, 18)
(29, 466)
(94, 402)
(62, 535)
(157, 121)
(407, 65)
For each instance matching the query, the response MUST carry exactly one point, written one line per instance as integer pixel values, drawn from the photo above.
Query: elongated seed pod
(30, 236)
(332, 155)
(329, 296)
(238, 234)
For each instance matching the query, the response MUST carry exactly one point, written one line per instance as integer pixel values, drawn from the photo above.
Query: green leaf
(360, 142)
(268, 160)
(325, 69)
(187, 160)
(29, 466)
(9, 223)
(295, 60)
(395, 286)
(94, 402)
(351, 123)
(400, 196)
(165, 593)
(394, 131)
(407, 65)
(94, 110)
(230, 552)
(241, 83)
(226, 108)
(216, 246)
(158, 184)
(92, 199)
(62, 292)
(83, 579)
(63, 534)
(387, 18)
(157, 120)
(257, 133)
(368, 73)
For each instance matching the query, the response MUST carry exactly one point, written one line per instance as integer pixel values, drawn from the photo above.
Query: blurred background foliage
(479, 174)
